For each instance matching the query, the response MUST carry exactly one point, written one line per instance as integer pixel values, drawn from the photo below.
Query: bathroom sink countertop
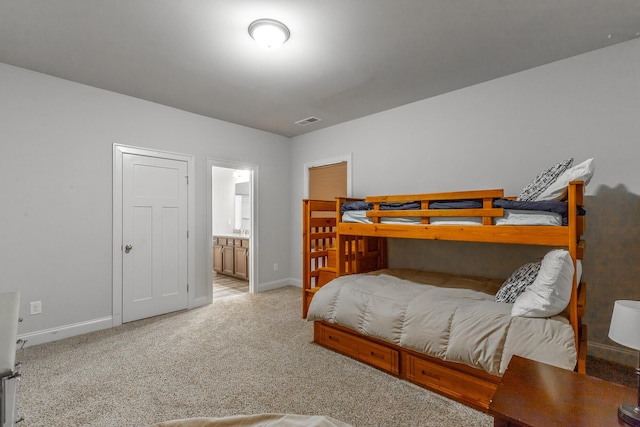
(232, 236)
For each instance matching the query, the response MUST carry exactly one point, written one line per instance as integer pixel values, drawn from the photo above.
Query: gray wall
(223, 200)
(56, 187)
(500, 134)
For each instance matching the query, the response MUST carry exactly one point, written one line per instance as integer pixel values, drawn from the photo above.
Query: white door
(154, 236)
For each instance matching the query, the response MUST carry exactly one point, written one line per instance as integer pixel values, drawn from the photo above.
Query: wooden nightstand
(536, 394)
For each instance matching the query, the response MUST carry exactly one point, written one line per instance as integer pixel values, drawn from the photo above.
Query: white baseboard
(67, 331)
(615, 354)
(269, 286)
(55, 334)
(296, 282)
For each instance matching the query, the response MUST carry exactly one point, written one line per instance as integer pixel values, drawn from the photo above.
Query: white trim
(276, 284)
(325, 162)
(61, 332)
(616, 354)
(118, 151)
(295, 282)
(253, 237)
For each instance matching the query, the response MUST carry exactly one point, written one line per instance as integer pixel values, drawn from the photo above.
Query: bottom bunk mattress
(452, 318)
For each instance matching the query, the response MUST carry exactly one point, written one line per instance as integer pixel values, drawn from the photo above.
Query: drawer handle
(429, 374)
(332, 338)
(379, 356)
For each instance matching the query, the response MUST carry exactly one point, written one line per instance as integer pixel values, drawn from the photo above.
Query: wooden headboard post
(576, 244)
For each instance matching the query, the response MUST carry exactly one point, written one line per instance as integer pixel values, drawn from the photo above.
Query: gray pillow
(541, 182)
(519, 280)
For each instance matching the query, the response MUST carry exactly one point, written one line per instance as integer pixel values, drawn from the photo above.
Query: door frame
(118, 151)
(253, 237)
(325, 162)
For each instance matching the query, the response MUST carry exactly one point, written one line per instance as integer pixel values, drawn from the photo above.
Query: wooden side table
(536, 394)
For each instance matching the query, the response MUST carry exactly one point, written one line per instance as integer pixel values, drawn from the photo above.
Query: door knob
(128, 248)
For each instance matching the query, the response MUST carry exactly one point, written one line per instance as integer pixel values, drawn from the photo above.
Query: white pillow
(550, 293)
(544, 179)
(558, 189)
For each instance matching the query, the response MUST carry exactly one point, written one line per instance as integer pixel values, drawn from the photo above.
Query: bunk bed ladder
(319, 239)
(327, 255)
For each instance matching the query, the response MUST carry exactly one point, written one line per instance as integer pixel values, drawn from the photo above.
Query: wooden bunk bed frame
(332, 248)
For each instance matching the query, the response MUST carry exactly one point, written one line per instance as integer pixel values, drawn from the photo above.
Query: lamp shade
(625, 323)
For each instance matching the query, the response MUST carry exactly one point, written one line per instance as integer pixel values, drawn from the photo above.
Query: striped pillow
(541, 182)
(519, 280)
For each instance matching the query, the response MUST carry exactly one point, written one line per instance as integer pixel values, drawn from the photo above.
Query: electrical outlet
(35, 307)
(275, 266)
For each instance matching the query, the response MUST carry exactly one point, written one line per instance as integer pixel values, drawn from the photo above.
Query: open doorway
(232, 228)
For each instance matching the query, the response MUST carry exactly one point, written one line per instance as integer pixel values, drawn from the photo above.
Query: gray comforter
(447, 321)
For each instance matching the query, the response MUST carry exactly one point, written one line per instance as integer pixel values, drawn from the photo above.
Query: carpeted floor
(245, 355)
(249, 354)
(613, 372)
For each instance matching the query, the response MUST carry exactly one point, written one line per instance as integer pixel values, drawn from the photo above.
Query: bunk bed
(336, 252)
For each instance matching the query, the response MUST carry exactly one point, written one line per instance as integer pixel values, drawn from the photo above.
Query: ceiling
(345, 58)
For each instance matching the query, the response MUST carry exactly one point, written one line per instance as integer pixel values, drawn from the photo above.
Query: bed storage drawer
(466, 388)
(377, 355)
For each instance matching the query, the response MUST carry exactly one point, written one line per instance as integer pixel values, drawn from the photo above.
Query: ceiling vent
(307, 121)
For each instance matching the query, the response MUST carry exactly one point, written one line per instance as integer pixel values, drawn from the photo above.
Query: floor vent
(307, 121)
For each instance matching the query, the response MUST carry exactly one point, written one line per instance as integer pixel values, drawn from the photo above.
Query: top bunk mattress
(546, 213)
(544, 201)
(511, 217)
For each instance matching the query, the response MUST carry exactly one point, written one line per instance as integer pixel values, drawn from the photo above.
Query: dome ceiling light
(269, 32)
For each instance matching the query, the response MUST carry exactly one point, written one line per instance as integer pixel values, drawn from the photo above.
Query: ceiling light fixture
(269, 32)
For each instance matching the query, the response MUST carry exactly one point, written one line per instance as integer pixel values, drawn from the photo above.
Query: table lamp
(625, 330)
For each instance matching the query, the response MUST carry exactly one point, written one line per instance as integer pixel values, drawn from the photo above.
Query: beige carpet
(250, 354)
